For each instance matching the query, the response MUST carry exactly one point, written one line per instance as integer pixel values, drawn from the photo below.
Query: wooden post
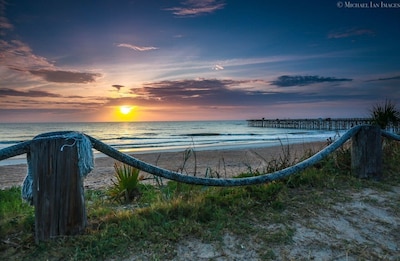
(57, 189)
(366, 153)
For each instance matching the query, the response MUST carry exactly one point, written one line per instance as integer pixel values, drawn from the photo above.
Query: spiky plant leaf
(125, 189)
(385, 114)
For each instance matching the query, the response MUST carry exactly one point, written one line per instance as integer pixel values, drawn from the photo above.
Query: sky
(165, 60)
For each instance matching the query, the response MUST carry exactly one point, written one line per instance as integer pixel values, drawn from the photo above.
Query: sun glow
(125, 109)
(125, 113)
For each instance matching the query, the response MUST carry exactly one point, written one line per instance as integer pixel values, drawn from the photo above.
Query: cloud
(118, 86)
(298, 80)
(218, 67)
(231, 93)
(137, 48)
(65, 76)
(180, 89)
(386, 79)
(18, 56)
(199, 92)
(350, 32)
(5, 25)
(193, 8)
(30, 93)
(76, 97)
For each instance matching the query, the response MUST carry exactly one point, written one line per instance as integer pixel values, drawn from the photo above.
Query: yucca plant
(126, 188)
(385, 114)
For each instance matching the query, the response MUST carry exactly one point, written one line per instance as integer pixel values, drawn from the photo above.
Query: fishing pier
(310, 124)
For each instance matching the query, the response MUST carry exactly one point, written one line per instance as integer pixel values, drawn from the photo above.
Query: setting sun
(125, 109)
(125, 113)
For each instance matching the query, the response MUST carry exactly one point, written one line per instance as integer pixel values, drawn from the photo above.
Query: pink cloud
(137, 48)
(350, 33)
(191, 8)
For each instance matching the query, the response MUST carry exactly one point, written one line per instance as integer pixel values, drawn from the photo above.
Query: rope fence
(23, 147)
(225, 182)
(58, 162)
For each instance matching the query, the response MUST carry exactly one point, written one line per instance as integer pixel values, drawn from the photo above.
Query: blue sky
(196, 60)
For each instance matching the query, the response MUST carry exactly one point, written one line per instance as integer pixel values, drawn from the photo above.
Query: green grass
(165, 215)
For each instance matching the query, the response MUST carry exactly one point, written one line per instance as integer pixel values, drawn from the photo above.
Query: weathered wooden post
(57, 167)
(366, 152)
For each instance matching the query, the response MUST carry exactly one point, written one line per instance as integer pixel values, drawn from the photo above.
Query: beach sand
(221, 163)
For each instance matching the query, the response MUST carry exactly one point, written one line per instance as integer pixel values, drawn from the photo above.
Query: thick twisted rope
(15, 150)
(23, 147)
(267, 177)
(390, 135)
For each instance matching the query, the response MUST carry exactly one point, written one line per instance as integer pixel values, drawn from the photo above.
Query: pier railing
(58, 162)
(316, 124)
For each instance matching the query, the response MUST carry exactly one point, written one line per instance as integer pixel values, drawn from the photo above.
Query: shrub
(385, 114)
(126, 188)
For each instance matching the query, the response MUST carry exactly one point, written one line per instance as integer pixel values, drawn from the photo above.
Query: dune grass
(151, 226)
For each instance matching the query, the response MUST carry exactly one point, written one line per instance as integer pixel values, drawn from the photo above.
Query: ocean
(141, 137)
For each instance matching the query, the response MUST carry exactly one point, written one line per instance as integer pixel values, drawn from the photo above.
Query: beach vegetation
(126, 187)
(154, 226)
(384, 114)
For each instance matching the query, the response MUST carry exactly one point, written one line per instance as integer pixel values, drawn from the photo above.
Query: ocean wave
(153, 135)
(5, 142)
(205, 134)
(201, 134)
(132, 138)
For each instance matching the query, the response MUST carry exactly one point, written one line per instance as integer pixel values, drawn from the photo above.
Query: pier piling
(309, 124)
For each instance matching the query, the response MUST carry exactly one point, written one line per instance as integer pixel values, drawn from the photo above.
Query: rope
(15, 150)
(266, 177)
(164, 173)
(68, 145)
(390, 135)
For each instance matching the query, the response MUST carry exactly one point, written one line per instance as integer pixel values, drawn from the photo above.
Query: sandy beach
(218, 163)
